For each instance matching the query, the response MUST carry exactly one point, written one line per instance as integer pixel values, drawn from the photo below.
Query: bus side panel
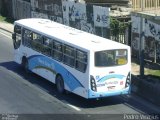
(78, 84)
(48, 68)
(17, 56)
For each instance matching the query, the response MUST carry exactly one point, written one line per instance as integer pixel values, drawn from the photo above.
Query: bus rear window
(111, 58)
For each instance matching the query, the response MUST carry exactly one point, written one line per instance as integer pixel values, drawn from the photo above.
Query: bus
(76, 61)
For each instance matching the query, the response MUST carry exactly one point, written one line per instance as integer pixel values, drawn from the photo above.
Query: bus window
(17, 36)
(47, 43)
(69, 55)
(121, 57)
(36, 42)
(81, 60)
(27, 37)
(110, 58)
(57, 51)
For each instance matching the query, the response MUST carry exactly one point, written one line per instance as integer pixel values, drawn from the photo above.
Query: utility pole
(0, 6)
(155, 51)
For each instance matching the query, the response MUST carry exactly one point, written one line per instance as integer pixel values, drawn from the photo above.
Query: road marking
(6, 35)
(74, 107)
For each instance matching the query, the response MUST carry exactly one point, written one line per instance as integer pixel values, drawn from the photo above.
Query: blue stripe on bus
(110, 77)
(40, 61)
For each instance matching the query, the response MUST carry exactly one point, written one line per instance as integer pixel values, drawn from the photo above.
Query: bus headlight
(128, 80)
(93, 83)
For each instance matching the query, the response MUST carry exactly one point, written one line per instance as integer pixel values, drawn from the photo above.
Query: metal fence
(120, 31)
(145, 5)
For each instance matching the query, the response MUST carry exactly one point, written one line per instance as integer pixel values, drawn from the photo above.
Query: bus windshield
(111, 58)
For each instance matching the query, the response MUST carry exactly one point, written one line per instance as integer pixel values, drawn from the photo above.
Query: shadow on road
(70, 98)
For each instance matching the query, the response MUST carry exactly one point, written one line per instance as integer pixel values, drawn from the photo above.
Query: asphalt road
(29, 96)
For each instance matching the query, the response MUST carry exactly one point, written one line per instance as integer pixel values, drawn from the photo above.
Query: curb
(6, 30)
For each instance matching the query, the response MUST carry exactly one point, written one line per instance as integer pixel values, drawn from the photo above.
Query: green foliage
(154, 72)
(117, 25)
(5, 19)
(2, 19)
(114, 23)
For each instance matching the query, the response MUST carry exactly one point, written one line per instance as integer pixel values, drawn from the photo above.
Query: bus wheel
(60, 84)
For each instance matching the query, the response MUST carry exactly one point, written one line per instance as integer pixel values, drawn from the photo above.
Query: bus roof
(69, 35)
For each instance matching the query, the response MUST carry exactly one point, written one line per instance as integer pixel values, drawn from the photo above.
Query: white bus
(76, 61)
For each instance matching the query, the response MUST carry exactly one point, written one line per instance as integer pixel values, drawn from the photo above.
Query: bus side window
(57, 51)
(47, 42)
(47, 46)
(37, 42)
(17, 38)
(69, 55)
(27, 37)
(81, 60)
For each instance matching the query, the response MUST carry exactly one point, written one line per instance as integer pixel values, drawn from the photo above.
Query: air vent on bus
(73, 33)
(43, 21)
(51, 26)
(95, 41)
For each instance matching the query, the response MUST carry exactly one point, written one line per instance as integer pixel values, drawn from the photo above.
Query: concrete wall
(21, 9)
(151, 36)
(89, 18)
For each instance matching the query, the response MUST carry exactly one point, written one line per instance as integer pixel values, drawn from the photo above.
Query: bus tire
(60, 84)
(25, 64)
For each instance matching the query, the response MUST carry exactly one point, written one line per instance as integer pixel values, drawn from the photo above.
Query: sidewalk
(6, 26)
(135, 68)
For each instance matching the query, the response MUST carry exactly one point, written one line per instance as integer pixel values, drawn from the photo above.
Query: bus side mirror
(14, 36)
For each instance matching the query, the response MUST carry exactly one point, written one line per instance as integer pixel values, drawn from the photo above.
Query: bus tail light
(93, 83)
(128, 80)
